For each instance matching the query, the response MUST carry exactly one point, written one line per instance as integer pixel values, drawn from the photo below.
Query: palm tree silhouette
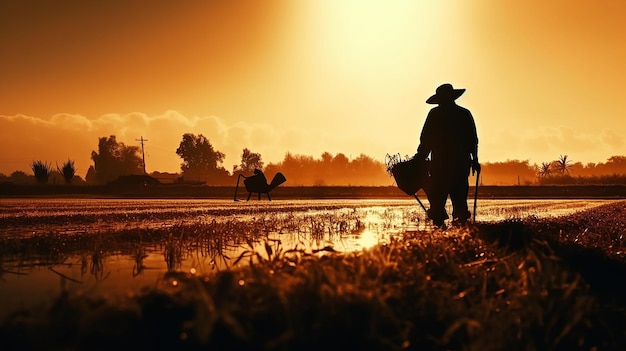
(67, 171)
(545, 169)
(41, 170)
(563, 165)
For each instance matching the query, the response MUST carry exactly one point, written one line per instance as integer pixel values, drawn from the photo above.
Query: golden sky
(543, 78)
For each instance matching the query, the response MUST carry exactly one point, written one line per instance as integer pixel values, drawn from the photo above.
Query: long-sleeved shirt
(449, 136)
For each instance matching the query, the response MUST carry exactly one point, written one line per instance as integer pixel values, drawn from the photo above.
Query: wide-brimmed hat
(445, 92)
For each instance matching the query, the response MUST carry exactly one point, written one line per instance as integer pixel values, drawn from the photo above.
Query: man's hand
(475, 167)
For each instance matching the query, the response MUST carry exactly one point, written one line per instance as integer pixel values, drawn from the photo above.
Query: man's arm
(474, 146)
(425, 146)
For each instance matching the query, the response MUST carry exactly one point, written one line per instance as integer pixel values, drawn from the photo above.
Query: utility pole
(143, 155)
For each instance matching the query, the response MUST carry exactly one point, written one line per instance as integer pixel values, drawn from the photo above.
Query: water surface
(119, 246)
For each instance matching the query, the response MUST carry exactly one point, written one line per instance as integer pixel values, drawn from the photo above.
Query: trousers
(452, 182)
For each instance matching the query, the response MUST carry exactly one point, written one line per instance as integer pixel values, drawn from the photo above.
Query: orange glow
(367, 240)
(342, 76)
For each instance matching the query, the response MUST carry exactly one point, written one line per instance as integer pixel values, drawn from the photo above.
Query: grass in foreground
(537, 284)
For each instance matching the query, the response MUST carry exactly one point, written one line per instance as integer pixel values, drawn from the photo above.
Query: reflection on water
(116, 246)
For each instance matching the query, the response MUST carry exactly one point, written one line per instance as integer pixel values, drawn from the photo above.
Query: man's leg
(437, 195)
(458, 196)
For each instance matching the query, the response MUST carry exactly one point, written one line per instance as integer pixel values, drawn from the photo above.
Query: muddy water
(46, 246)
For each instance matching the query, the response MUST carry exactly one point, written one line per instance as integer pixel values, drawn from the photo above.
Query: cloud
(67, 121)
(612, 139)
(64, 136)
(26, 139)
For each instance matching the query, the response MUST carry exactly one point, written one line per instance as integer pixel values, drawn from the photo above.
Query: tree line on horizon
(562, 171)
(202, 164)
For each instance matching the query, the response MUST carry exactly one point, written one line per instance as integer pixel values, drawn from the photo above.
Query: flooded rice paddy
(119, 246)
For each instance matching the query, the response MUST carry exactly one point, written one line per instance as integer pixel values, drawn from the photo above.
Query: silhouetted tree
(614, 165)
(41, 170)
(90, 177)
(545, 170)
(617, 160)
(200, 160)
(19, 177)
(115, 159)
(509, 172)
(577, 168)
(67, 171)
(250, 161)
(340, 161)
(327, 157)
(365, 169)
(563, 165)
(329, 170)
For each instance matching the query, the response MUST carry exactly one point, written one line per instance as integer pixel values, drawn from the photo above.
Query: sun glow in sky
(542, 78)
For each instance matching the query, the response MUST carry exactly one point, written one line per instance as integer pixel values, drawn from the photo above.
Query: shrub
(41, 170)
(67, 171)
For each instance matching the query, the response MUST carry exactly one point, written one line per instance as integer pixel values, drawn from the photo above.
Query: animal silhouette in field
(257, 183)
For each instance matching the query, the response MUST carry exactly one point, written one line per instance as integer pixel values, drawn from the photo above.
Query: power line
(143, 155)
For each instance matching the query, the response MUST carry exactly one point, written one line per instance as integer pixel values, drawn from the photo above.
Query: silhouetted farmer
(449, 137)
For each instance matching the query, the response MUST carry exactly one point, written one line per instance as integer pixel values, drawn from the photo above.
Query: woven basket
(411, 175)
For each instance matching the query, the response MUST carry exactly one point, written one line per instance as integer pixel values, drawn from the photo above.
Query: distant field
(309, 192)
